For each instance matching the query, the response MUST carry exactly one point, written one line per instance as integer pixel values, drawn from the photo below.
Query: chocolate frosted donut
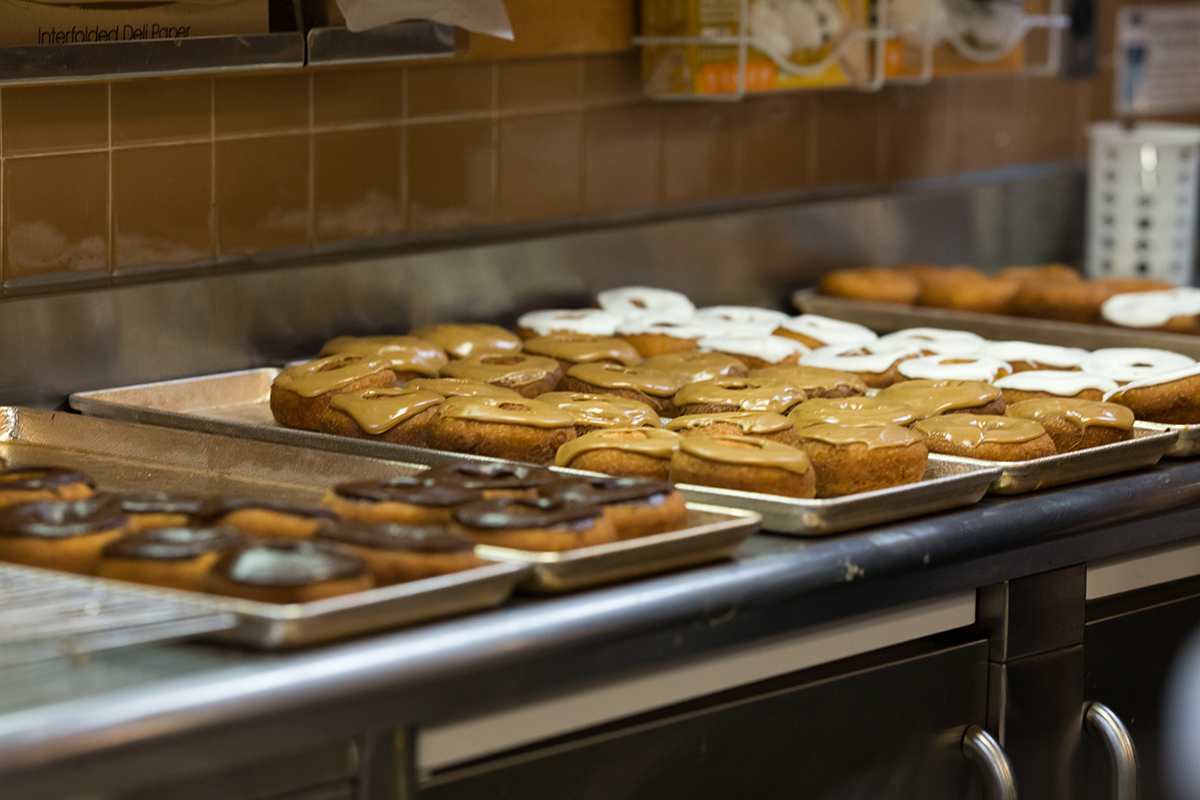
(397, 553)
(1077, 424)
(67, 535)
(402, 499)
(493, 480)
(737, 394)
(650, 386)
(517, 430)
(852, 411)
(692, 366)
(571, 349)
(766, 424)
(631, 452)
(744, 463)
(988, 437)
(300, 395)
(814, 381)
(851, 459)
(592, 412)
(396, 415)
(457, 387)
(527, 375)
(636, 506)
(932, 397)
(461, 341)
(542, 524)
(288, 571)
(159, 510)
(408, 356)
(263, 518)
(33, 484)
(178, 558)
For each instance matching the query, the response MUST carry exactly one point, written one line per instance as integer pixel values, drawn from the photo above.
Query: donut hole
(512, 407)
(335, 363)
(638, 303)
(624, 435)
(740, 445)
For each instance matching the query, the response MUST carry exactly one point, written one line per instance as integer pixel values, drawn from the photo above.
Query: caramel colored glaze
(750, 422)
(379, 410)
(930, 398)
(460, 341)
(286, 562)
(173, 544)
(613, 376)
(747, 451)
(458, 387)
(507, 411)
(326, 374)
(744, 393)
(873, 436)
(972, 430)
(692, 366)
(583, 349)
(813, 380)
(404, 353)
(1083, 414)
(851, 411)
(650, 442)
(603, 410)
(503, 370)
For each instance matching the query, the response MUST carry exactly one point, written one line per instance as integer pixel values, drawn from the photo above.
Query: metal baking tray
(885, 317)
(1186, 446)
(1145, 449)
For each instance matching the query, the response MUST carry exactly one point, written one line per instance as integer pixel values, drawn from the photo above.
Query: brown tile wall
(97, 178)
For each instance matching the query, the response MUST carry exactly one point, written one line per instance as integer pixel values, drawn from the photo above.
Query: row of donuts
(365, 534)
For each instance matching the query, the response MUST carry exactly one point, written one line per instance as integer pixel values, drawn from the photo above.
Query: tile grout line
(312, 166)
(581, 117)
(405, 211)
(110, 222)
(3, 210)
(495, 117)
(214, 226)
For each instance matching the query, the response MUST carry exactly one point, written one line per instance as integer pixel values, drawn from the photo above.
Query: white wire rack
(877, 33)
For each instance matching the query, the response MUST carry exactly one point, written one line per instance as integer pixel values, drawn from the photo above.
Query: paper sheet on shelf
(479, 16)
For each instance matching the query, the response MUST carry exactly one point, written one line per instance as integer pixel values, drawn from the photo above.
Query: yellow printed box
(968, 37)
(30, 23)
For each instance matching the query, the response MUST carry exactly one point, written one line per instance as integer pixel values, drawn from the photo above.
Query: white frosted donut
(772, 349)
(1055, 381)
(1151, 309)
(645, 301)
(1049, 354)
(955, 368)
(1125, 364)
(592, 321)
(938, 341)
(857, 358)
(1158, 379)
(749, 316)
(678, 330)
(828, 331)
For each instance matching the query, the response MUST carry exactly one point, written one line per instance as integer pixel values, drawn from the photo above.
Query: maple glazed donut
(954, 368)
(408, 356)
(813, 331)
(650, 386)
(177, 558)
(1054, 383)
(627, 452)
(652, 337)
(396, 415)
(592, 412)
(526, 375)
(1028, 356)
(67, 535)
(288, 571)
(929, 398)
(457, 387)
(814, 381)
(460, 341)
(642, 302)
(862, 458)
(766, 424)
(586, 321)
(1077, 424)
(635, 506)
(300, 395)
(34, 484)
(1168, 397)
(737, 394)
(870, 411)
(987, 437)
(876, 364)
(693, 366)
(402, 499)
(871, 284)
(1127, 364)
(517, 430)
(744, 463)
(262, 518)
(756, 353)
(575, 348)
(543, 524)
(493, 480)
(398, 553)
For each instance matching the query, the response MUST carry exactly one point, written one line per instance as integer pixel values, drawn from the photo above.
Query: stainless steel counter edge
(443, 672)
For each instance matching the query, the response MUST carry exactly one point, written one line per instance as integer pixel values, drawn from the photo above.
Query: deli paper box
(30, 23)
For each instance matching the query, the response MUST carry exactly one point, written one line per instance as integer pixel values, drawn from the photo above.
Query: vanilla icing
(632, 302)
(955, 368)
(772, 349)
(1049, 355)
(593, 321)
(1125, 364)
(1055, 381)
(828, 331)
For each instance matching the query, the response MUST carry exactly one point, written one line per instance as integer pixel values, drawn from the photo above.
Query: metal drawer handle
(986, 753)
(1101, 722)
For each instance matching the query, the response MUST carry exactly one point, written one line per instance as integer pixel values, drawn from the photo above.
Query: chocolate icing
(62, 519)
(288, 562)
(40, 478)
(607, 491)
(326, 374)
(173, 544)
(487, 476)
(515, 512)
(418, 491)
(396, 538)
(214, 508)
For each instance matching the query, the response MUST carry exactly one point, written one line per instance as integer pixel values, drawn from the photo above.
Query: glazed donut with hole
(1028, 356)
(744, 463)
(767, 424)
(628, 452)
(570, 349)
(517, 430)
(408, 356)
(954, 368)
(645, 302)
(1077, 424)
(814, 331)
(583, 321)
(1168, 397)
(461, 341)
(992, 438)
(876, 364)
(757, 353)
(1127, 364)
(738, 394)
(397, 415)
(300, 395)
(1054, 383)
(526, 375)
(643, 384)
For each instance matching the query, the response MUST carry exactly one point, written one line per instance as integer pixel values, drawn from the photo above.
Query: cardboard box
(29, 23)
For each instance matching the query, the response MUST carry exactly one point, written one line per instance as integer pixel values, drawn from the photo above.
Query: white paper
(1158, 59)
(479, 16)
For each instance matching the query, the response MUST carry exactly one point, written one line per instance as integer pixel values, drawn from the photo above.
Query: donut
(627, 452)
(66, 535)
(814, 381)
(813, 331)
(517, 430)
(1073, 301)
(493, 480)
(176, 557)
(397, 415)
(408, 356)
(929, 398)
(288, 571)
(461, 341)
(871, 284)
(987, 437)
(262, 518)
(457, 387)
(650, 386)
(764, 351)
(159, 510)
(543, 524)
(1026, 356)
(875, 364)
(401, 499)
(934, 341)
(693, 366)
(655, 338)
(586, 321)
(300, 395)
(1077, 424)
(398, 553)
(1172, 311)
(1045, 272)
(526, 375)
(766, 424)
(930, 274)
(34, 484)
(869, 411)
(636, 302)
(737, 394)
(954, 368)
(976, 294)
(576, 348)
(760, 321)
(1126, 364)
(1171, 397)
(744, 463)
(862, 458)
(636, 506)
(592, 412)
(1054, 383)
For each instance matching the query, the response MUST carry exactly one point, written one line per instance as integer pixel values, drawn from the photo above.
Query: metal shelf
(401, 41)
